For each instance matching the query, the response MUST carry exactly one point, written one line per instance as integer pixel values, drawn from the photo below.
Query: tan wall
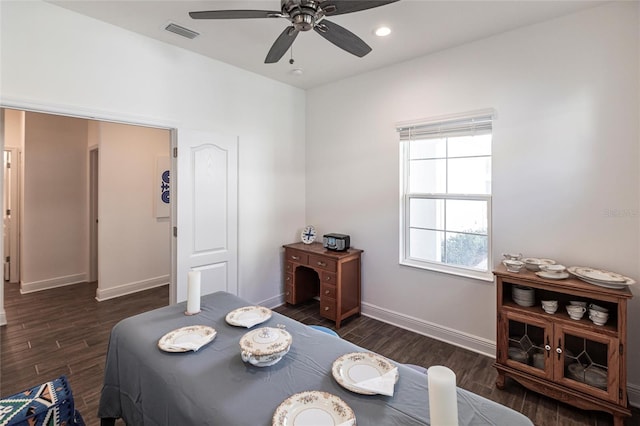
(54, 238)
(133, 244)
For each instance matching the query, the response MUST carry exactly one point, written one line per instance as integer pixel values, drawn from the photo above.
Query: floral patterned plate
(313, 408)
(600, 277)
(355, 367)
(187, 339)
(248, 316)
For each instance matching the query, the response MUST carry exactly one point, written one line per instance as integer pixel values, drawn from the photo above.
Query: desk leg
(108, 421)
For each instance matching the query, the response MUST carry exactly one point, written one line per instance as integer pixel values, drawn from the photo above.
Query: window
(445, 201)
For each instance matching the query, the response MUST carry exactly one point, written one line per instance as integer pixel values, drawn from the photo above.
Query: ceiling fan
(305, 15)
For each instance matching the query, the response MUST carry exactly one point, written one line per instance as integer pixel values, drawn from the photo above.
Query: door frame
(90, 114)
(14, 239)
(93, 213)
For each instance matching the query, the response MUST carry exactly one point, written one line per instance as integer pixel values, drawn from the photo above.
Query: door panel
(207, 217)
(210, 203)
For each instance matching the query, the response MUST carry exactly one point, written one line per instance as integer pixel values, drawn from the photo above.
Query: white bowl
(512, 256)
(533, 263)
(557, 269)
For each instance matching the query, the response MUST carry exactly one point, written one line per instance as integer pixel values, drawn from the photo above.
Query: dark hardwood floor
(66, 331)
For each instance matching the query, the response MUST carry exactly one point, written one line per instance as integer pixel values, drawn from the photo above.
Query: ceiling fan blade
(235, 14)
(339, 7)
(342, 38)
(281, 45)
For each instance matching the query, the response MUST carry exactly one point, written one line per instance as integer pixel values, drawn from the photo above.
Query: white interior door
(207, 216)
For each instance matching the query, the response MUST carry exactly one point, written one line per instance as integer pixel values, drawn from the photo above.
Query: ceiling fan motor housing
(303, 14)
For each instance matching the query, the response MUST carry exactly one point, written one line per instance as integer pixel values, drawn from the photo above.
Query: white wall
(56, 59)
(54, 221)
(565, 163)
(133, 245)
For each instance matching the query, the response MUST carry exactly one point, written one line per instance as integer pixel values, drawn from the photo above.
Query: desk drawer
(288, 294)
(327, 290)
(288, 267)
(288, 279)
(328, 278)
(322, 263)
(296, 256)
(328, 308)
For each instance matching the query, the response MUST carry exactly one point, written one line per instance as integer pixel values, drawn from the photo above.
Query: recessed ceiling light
(296, 71)
(382, 31)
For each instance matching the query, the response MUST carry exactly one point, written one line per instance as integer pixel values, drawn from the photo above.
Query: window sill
(460, 272)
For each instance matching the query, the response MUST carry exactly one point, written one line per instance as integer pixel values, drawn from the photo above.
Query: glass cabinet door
(587, 361)
(529, 344)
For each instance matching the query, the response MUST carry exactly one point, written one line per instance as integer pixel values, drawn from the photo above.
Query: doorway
(116, 211)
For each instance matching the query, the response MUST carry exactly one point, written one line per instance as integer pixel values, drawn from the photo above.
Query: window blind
(444, 127)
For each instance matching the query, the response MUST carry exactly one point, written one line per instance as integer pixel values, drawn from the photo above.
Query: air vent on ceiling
(181, 31)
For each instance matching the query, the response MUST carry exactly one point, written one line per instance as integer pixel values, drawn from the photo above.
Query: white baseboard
(438, 332)
(52, 283)
(103, 294)
(273, 302)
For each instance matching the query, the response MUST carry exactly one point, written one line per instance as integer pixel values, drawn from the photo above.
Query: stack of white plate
(523, 296)
(601, 277)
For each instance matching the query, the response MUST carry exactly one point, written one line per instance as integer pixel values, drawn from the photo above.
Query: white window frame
(406, 197)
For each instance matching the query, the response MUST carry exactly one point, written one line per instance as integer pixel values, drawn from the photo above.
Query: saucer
(553, 275)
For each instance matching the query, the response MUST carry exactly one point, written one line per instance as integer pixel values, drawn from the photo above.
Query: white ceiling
(420, 27)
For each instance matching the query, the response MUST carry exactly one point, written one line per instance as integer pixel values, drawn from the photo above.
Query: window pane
(465, 146)
(426, 213)
(467, 216)
(470, 175)
(427, 148)
(426, 245)
(466, 250)
(427, 176)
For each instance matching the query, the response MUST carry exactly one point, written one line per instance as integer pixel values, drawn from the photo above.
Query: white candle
(443, 400)
(193, 292)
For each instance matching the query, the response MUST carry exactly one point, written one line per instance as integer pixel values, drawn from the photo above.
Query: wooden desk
(311, 271)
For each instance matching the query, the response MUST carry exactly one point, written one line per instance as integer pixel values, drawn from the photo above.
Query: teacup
(576, 312)
(549, 306)
(578, 303)
(598, 314)
(598, 321)
(513, 265)
(597, 308)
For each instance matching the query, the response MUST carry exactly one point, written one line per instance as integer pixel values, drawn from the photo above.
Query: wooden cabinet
(575, 361)
(311, 271)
